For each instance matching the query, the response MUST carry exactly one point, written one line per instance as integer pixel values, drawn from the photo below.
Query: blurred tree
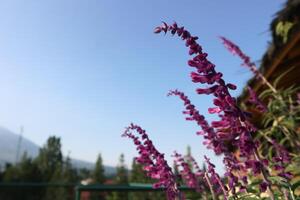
(122, 172)
(24, 171)
(98, 173)
(177, 174)
(121, 179)
(99, 178)
(189, 154)
(50, 158)
(138, 175)
(48, 167)
(1, 173)
(50, 163)
(84, 173)
(190, 194)
(69, 173)
(56, 192)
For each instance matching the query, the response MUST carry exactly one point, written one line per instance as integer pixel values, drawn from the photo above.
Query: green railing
(32, 184)
(132, 187)
(78, 188)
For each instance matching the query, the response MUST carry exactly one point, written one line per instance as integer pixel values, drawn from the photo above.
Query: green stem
(292, 193)
(210, 186)
(265, 176)
(264, 80)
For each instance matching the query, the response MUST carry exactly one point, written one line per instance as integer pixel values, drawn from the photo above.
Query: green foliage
(54, 169)
(98, 173)
(69, 174)
(191, 194)
(281, 121)
(50, 158)
(83, 173)
(121, 179)
(281, 124)
(48, 167)
(122, 172)
(24, 171)
(98, 178)
(53, 192)
(283, 28)
(138, 175)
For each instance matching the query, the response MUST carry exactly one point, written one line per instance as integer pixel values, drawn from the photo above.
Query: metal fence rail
(34, 184)
(132, 187)
(78, 188)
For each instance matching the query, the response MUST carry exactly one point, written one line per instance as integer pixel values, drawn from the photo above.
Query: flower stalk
(265, 176)
(213, 194)
(235, 50)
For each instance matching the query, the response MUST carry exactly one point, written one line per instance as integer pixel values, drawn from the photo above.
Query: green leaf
(280, 181)
(248, 196)
(295, 185)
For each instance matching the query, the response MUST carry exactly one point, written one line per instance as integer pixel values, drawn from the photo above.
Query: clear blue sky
(83, 70)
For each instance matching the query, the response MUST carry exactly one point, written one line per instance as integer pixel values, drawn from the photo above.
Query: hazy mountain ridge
(9, 142)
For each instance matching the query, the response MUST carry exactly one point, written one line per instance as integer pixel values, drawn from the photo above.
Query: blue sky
(83, 70)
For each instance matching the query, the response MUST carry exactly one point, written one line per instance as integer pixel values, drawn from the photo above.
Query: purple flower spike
(253, 99)
(237, 131)
(194, 115)
(233, 131)
(215, 178)
(281, 159)
(263, 186)
(235, 50)
(190, 178)
(153, 161)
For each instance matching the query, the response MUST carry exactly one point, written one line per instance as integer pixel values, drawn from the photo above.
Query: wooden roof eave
(278, 57)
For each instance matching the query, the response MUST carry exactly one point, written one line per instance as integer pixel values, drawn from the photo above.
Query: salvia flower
(153, 161)
(195, 165)
(263, 186)
(235, 50)
(232, 164)
(233, 131)
(194, 115)
(215, 178)
(281, 159)
(254, 100)
(190, 178)
(232, 128)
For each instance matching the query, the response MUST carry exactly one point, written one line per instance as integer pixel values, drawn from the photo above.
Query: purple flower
(215, 178)
(263, 186)
(194, 115)
(233, 131)
(235, 50)
(190, 178)
(256, 166)
(231, 116)
(281, 159)
(153, 161)
(253, 99)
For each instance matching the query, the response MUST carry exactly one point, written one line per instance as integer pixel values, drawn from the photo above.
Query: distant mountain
(10, 142)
